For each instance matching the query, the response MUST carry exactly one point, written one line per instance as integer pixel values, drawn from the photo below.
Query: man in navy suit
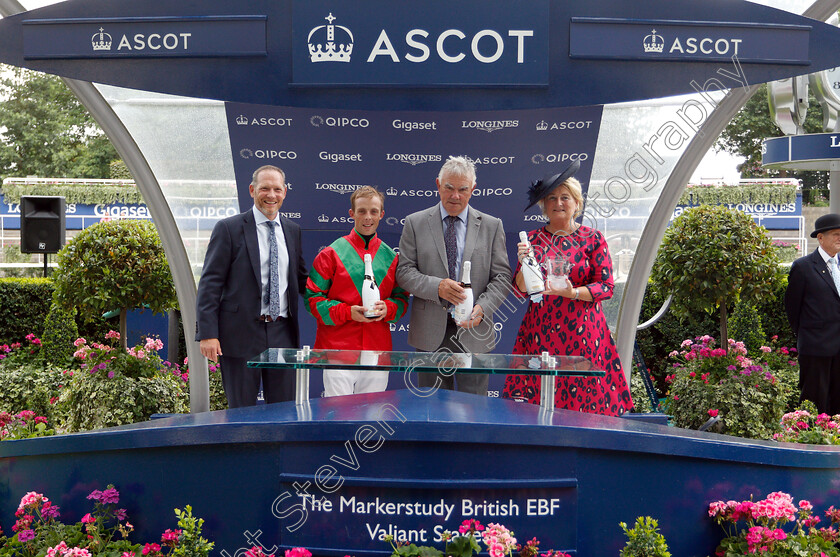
(812, 303)
(237, 317)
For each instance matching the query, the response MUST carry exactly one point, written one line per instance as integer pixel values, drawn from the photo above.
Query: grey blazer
(422, 266)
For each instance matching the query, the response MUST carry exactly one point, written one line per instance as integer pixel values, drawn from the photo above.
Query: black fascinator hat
(541, 188)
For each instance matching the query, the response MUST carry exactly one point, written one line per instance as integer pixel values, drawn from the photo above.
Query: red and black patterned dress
(568, 327)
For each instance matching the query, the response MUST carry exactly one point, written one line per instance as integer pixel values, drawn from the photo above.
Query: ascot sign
(344, 45)
(410, 55)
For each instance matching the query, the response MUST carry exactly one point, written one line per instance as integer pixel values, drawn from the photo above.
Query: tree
(744, 135)
(45, 130)
(114, 264)
(712, 256)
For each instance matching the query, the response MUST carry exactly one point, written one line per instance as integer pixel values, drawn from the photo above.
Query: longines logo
(394, 221)
(489, 126)
(318, 121)
(492, 160)
(338, 188)
(103, 42)
(413, 126)
(559, 157)
(243, 120)
(564, 126)
(538, 218)
(325, 47)
(412, 159)
(267, 154)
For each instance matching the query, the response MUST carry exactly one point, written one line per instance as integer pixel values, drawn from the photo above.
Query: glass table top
(396, 361)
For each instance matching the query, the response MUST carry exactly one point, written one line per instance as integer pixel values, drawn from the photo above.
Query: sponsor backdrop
(327, 154)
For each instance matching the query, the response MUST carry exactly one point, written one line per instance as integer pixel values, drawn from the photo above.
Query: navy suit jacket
(813, 307)
(228, 302)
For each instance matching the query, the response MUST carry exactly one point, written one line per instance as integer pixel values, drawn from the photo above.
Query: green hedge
(24, 304)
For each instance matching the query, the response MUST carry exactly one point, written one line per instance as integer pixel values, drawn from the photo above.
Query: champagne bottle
(531, 272)
(462, 311)
(370, 292)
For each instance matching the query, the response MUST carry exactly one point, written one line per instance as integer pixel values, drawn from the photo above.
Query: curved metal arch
(631, 303)
(145, 179)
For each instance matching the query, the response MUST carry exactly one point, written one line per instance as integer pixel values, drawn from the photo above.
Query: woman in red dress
(569, 319)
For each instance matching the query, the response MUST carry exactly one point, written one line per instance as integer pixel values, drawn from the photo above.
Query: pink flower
(26, 535)
(766, 349)
(151, 548)
(112, 335)
(805, 505)
(31, 499)
(470, 525)
(58, 550)
(79, 341)
(88, 519)
(298, 552)
(676, 397)
(170, 535)
(713, 412)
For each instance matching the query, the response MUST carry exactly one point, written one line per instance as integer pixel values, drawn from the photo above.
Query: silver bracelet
(577, 294)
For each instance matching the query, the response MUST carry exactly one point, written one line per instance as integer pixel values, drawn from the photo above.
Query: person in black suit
(812, 303)
(238, 318)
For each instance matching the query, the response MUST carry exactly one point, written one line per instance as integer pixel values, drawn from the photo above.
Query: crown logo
(325, 48)
(242, 120)
(323, 218)
(101, 40)
(542, 126)
(391, 191)
(653, 42)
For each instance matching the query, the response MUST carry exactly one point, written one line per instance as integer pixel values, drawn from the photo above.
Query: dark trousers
(242, 383)
(819, 382)
(463, 382)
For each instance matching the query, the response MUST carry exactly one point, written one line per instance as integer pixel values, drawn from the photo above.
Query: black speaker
(41, 224)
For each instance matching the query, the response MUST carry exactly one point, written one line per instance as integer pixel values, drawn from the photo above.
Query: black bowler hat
(825, 223)
(541, 188)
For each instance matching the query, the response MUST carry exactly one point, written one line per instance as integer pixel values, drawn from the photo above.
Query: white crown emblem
(542, 126)
(324, 47)
(242, 120)
(323, 218)
(654, 42)
(101, 40)
(391, 191)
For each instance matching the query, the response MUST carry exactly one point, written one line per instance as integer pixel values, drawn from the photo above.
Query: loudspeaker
(41, 224)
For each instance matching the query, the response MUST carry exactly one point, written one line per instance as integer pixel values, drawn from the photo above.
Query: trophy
(557, 270)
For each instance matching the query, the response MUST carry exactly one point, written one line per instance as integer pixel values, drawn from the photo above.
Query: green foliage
(23, 304)
(76, 193)
(190, 542)
(60, 331)
(114, 264)
(644, 539)
(47, 130)
(94, 401)
(751, 193)
(638, 392)
(746, 327)
(712, 256)
(30, 387)
(119, 171)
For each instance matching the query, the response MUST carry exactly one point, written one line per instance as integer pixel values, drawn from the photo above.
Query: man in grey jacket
(434, 245)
